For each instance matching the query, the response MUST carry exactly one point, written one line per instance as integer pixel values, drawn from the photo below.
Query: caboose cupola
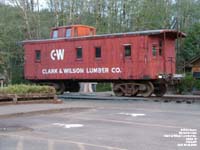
(72, 31)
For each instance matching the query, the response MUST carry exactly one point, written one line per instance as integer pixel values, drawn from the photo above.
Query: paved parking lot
(106, 125)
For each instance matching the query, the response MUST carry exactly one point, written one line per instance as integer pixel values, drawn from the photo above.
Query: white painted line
(132, 114)
(133, 123)
(20, 144)
(67, 126)
(44, 136)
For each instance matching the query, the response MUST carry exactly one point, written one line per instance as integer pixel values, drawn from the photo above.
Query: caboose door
(127, 61)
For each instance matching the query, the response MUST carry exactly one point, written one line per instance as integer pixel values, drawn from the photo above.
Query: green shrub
(197, 85)
(27, 89)
(187, 84)
(102, 87)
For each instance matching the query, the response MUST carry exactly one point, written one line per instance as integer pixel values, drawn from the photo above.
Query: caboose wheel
(118, 90)
(149, 88)
(131, 89)
(60, 87)
(160, 89)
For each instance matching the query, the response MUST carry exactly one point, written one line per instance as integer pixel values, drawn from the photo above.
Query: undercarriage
(132, 88)
(145, 89)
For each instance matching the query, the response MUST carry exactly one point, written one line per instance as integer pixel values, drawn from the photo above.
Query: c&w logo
(57, 54)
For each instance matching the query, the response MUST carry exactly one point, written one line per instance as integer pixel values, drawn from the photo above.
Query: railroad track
(168, 98)
(176, 99)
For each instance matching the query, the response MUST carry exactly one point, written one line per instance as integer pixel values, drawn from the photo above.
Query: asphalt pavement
(100, 125)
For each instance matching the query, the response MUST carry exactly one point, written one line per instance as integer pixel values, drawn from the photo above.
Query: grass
(103, 87)
(27, 89)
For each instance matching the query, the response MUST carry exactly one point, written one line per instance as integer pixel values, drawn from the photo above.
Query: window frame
(98, 54)
(91, 32)
(125, 50)
(160, 50)
(68, 32)
(53, 34)
(37, 57)
(77, 50)
(75, 32)
(154, 50)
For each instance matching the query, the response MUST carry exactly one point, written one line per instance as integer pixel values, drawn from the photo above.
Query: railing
(23, 98)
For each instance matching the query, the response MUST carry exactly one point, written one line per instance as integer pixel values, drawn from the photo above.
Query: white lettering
(60, 54)
(49, 71)
(73, 70)
(60, 71)
(53, 54)
(97, 70)
(57, 54)
(116, 70)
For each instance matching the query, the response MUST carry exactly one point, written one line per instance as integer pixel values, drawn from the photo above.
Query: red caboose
(135, 62)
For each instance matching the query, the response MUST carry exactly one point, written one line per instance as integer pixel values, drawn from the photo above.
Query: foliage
(191, 47)
(27, 89)
(11, 32)
(197, 85)
(102, 87)
(188, 84)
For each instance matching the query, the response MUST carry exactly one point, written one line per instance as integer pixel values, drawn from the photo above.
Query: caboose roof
(172, 33)
(194, 60)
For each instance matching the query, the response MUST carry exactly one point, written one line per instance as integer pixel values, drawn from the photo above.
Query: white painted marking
(68, 125)
(81, 146)
(132, 114)
(45, 136)
(50, 144)
(20, 144)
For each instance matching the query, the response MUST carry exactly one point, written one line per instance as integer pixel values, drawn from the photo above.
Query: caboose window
(68, 33)
(160, 47)
(55, 34)
(91, 32)
(75, 32)
(154, 50)
(127, 50)
(79, 53)
(98, 52)
(37, 55)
